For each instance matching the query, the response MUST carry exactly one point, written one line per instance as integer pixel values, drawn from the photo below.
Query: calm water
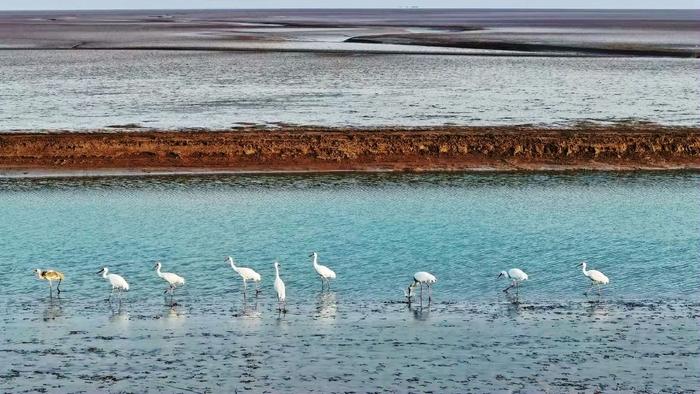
(374, 230)
(93, 89)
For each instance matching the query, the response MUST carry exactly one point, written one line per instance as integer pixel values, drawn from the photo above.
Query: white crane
(324, 272)
(247, 274)
(279, 288)
(117, 282)
(421, 278)
(50, 276)
(596, 277)
(516, 275)
(173, 280)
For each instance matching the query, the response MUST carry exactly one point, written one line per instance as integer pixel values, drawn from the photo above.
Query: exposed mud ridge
(630, 147)
(456, 41)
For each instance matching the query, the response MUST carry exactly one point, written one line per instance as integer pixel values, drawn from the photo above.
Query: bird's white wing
(118, 282)
(325, 272)
(424, 277)
(173, 279)
(248, 274)
(598, 276)
(517, 273)
(279, 288)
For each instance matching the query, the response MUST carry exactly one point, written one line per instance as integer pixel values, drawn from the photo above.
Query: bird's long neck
(315, 260)
(158, 271)
(277, 272)
(233, 265)
(583, 268)
(104, 274)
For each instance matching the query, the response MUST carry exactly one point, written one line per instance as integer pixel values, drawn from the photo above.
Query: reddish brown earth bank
(339, 149)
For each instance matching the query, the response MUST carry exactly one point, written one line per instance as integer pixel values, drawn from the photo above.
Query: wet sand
(299, 149)
(664, 33)
(470, 41)
(330, 345)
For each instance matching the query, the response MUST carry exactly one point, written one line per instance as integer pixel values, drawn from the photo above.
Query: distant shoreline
(317, 149)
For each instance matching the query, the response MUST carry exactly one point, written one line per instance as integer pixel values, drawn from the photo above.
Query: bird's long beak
(579, 264)
(311, 255)
(499, 275)
(100, 271)
(155, 265)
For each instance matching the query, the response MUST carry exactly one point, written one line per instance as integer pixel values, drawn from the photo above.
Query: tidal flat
(332, 344)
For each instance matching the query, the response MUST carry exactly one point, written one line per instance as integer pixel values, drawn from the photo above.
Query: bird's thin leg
(507, 288)
(257, 288)
(322, 288)
(58, 287)
(430, 294)
(589, 289)
(329, 284)
(421, 293)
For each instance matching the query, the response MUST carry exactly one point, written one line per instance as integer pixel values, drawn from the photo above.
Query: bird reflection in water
(420, 312)
(250, 307)
(54, 309)
(118, 314)
(513, 299)
(173, 313)
(326, 305)
(597, 309)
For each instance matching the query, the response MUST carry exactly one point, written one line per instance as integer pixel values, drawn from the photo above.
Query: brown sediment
(506, 148)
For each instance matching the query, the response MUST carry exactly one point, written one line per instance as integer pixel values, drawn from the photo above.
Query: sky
(186, 4)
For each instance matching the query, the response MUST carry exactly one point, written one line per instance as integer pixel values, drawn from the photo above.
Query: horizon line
(352, 8)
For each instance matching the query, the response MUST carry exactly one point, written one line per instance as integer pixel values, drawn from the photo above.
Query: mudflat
(507, 148)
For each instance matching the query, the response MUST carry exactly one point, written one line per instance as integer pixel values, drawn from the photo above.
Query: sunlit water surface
(178, 89)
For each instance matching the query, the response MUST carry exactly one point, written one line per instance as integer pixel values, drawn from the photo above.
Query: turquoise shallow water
(374, 230)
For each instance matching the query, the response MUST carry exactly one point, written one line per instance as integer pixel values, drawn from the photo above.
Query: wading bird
(421, 278)
(516, 275)
(50, 276)
(279, 288)
(117, 282)
(324, 272)
(596, 277)
(173, 280)
(247, 274)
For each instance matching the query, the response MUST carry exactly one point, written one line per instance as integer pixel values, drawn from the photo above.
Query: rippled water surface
(374, 230)
(93, 89)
